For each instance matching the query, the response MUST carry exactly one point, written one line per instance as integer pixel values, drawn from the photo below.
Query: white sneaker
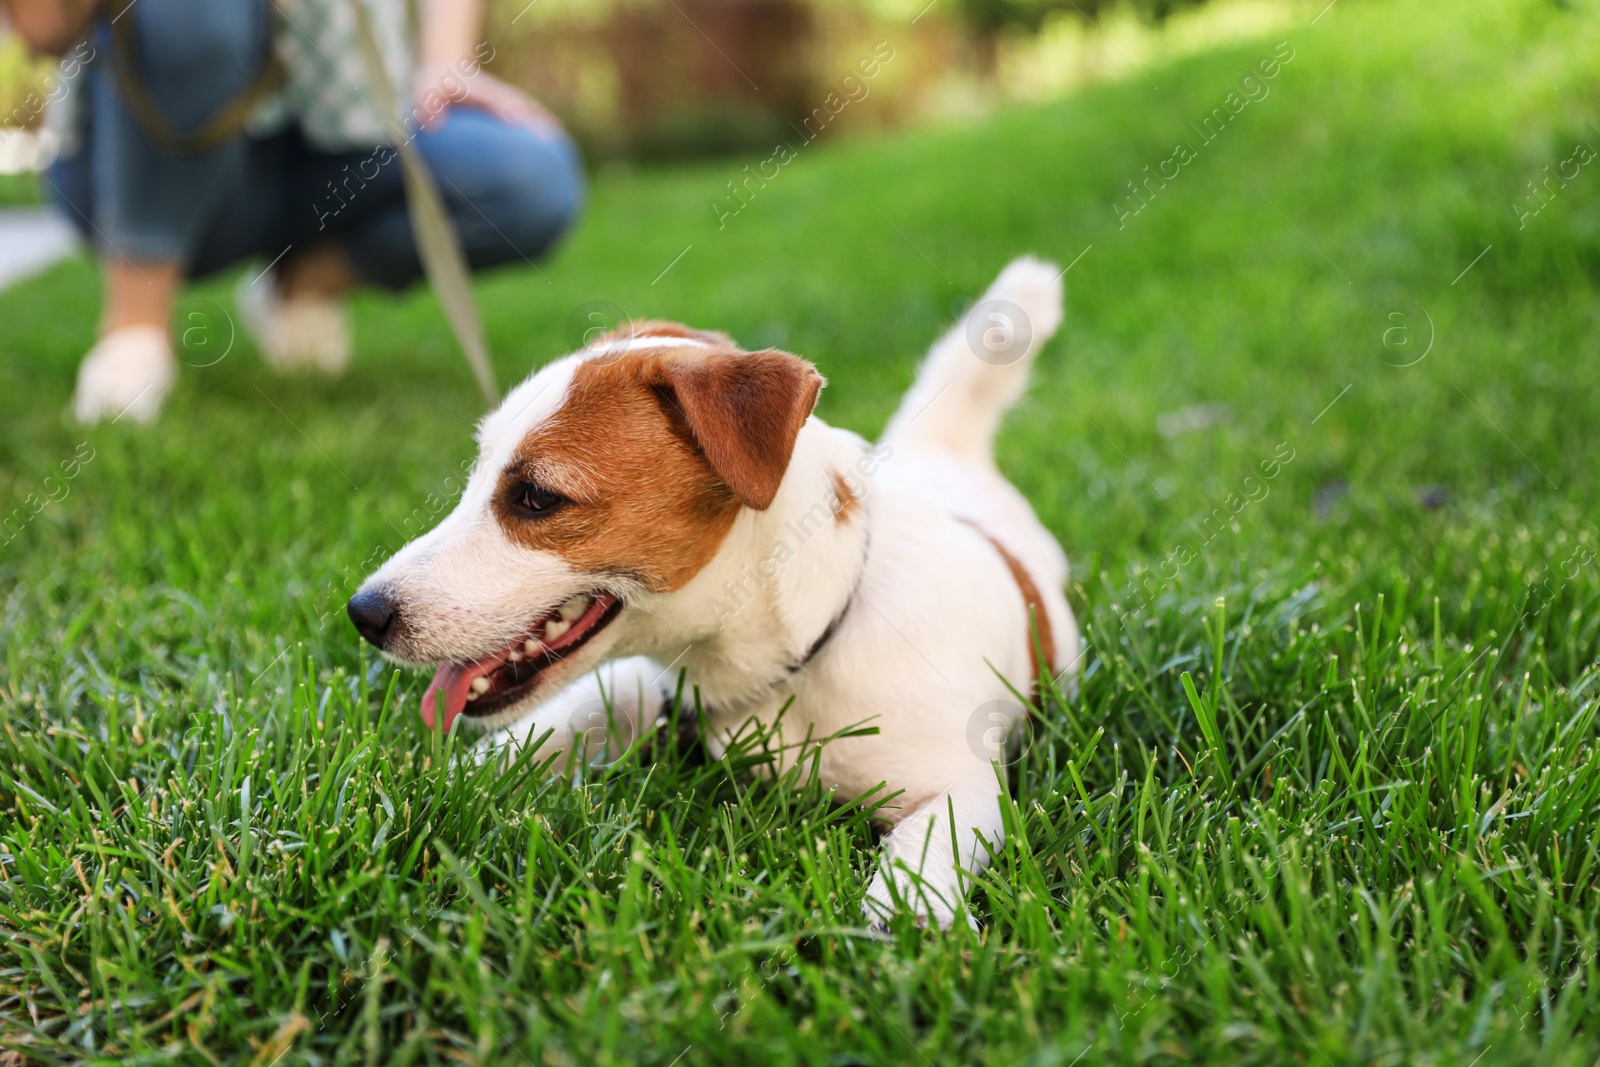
(306, 333)
(128, 372)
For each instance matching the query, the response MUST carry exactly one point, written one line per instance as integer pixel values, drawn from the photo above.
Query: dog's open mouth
(485, 686)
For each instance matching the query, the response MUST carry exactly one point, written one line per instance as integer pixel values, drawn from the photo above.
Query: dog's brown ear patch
(744, 410)
(660, 328)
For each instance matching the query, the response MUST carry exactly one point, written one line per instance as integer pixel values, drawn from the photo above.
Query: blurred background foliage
(651, 79)
(640, 80)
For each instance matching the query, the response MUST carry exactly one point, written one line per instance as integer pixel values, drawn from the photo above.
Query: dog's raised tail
(979, 368)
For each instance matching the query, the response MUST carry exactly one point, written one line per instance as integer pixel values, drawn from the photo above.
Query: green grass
(18, 189)
(1366, 835)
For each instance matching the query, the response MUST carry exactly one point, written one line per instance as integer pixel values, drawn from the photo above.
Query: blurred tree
(990, 20)
(661, 78)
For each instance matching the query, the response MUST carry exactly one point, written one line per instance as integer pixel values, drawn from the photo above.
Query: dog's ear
(744, 410)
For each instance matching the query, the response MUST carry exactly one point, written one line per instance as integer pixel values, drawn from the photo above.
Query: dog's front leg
(925, 865)
(594, 719)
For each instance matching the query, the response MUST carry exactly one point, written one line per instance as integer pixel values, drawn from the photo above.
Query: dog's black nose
(373, 611)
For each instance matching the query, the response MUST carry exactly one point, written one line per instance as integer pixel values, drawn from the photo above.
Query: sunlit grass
(1366, 836)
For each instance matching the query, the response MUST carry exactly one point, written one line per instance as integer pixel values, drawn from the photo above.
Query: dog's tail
(976, 371)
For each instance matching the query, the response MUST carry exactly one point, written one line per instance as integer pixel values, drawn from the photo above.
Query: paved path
(31, 239)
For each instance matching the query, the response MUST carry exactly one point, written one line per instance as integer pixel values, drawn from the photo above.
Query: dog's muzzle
(374, 612)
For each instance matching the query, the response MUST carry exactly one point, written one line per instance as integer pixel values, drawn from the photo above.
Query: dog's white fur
(935, 637)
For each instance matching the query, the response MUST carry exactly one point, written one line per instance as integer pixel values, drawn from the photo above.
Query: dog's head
(611, 476)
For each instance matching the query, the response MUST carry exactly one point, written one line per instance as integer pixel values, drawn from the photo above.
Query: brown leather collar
(1036, 615)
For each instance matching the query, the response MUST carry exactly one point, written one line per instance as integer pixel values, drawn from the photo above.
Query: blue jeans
(510, 190)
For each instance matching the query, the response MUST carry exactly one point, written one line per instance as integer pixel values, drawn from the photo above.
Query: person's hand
(440, 87)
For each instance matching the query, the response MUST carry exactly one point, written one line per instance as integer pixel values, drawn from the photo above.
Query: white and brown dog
(664, 501)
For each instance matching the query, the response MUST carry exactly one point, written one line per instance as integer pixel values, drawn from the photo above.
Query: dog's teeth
(514, 656)
(572, 609)
(555, 628)
(531, 647)
(471, 695)
(480, 685)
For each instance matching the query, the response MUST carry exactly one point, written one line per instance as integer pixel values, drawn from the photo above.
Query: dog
(663, 501)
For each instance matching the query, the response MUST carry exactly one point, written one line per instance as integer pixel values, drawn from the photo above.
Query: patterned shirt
(326, 79)
(325, 84)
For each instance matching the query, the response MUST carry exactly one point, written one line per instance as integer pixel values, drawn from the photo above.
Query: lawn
(225, 835)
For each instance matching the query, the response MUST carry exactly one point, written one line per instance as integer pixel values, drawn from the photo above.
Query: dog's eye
(537, 500)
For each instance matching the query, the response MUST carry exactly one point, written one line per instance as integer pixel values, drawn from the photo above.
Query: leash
(228, 119)
(438, 245)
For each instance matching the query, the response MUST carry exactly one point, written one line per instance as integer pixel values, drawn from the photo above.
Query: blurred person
(201, 133)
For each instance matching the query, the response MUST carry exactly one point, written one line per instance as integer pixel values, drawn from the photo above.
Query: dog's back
(943, 432)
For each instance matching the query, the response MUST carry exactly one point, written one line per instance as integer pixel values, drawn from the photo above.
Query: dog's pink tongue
(453, 680)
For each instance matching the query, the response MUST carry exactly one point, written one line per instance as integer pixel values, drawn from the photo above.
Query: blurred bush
(988, 21)
(21, 109)
(669, 77)
(661, 78)
(656, 79)
(19, 76)
(650, 79)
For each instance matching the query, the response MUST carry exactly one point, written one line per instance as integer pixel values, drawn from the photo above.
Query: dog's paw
(929, 905)
(943, 919)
